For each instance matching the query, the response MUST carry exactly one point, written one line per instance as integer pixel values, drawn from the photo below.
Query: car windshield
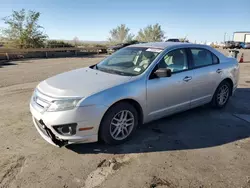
(129, 61)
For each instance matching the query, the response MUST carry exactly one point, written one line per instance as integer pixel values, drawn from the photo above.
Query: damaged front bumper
(47, 134)
(53, 139)
(44, 124)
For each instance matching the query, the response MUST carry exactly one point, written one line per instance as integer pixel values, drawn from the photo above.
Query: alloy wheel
(122, 125)
(223, 94)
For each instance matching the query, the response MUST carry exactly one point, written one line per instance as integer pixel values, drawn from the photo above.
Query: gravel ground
(202, 147)
(245, 52)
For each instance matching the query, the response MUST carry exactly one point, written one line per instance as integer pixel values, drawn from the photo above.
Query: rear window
(203, 57)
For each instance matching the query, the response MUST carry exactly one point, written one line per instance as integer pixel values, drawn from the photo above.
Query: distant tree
(23, 30)
(151, 33)
(58, 44)
(183, 39)
(76, 41)
(120, 34)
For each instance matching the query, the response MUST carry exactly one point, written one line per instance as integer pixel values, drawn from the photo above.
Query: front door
(167, 95)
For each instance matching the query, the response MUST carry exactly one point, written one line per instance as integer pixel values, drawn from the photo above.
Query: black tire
(215, 103)
(105, 133)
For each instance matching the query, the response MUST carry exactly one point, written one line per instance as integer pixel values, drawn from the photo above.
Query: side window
(215, 59)
(202, 57)
(175, 60)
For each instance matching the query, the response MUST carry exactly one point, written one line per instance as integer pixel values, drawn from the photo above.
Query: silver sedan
(135, 85)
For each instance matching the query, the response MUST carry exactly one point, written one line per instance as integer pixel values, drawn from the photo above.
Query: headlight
(61, 105)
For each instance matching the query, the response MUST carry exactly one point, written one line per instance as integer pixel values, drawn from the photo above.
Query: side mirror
(163, 72)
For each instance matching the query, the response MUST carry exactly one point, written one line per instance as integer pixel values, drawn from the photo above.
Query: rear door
(207, 74)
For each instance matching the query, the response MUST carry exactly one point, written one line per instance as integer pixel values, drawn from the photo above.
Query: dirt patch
(113, 163)
(104, 169)
(160, 182)
(10, 171)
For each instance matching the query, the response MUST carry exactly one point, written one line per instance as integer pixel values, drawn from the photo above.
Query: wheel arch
(134, 103)
(229, 80)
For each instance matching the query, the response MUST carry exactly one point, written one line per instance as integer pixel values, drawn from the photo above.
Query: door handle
(218, 71)
(187, 78)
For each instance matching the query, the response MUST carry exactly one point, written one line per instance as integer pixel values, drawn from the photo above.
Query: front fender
(135, 90)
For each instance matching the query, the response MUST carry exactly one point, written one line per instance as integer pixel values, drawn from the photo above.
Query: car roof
(164, 45)
(172, 45)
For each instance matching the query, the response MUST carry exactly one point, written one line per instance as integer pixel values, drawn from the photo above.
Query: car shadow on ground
(201, 127)
(6, 63)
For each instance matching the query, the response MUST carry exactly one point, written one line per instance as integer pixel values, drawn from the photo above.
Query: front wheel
(119, 123)
(222, 95)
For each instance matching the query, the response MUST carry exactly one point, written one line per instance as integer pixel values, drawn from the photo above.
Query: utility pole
(225, 34)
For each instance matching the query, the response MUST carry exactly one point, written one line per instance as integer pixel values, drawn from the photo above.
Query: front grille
(41, 100)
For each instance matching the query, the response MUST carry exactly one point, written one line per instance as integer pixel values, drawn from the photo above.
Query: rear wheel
(119, 123)
(222, 95)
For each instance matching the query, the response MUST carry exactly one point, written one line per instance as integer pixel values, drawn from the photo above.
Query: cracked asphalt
(202, 147)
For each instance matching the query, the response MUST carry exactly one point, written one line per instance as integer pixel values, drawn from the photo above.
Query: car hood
(80, 83)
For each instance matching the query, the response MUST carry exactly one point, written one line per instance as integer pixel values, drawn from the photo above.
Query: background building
(241, 36)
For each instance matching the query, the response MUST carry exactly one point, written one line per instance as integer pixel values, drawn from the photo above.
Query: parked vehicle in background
(229, 44)
(239, 45)
(247, 45)
(114, 48)
(242, 44)
(221, 45)
(172, 40)
(136, 85)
